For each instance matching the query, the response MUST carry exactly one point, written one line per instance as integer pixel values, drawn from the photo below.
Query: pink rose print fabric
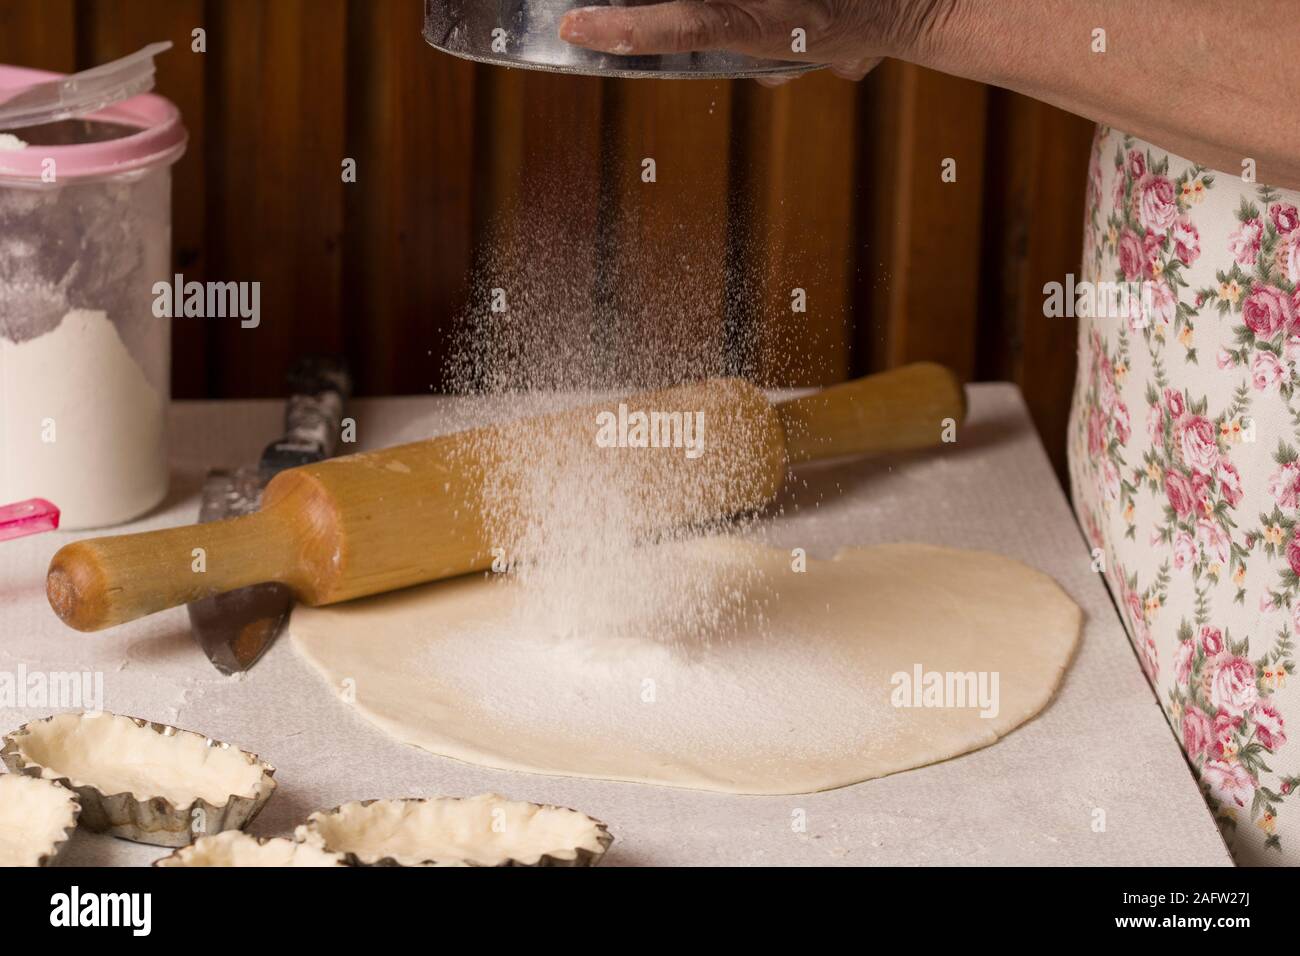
(1185, 464)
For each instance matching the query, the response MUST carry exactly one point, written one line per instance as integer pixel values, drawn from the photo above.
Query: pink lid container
(85, 236)
(160, 137)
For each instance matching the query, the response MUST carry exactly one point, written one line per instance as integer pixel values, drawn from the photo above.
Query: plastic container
(85, 234)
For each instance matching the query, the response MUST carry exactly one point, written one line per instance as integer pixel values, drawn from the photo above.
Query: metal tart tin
(154, 820)
(570, 856)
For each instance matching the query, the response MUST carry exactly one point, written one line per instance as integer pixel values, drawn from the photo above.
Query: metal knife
(236, 628)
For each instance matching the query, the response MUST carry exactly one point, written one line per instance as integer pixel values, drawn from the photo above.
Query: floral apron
(1185, 463)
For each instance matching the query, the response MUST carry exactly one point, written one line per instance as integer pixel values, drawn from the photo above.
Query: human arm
(1211, 81)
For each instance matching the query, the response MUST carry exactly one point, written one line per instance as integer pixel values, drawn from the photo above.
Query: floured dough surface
(112, 754)
(34, 816)
(799, 692)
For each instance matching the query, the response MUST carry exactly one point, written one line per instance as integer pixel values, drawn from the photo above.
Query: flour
(451, 667)
(80, 423)
(584, 529)
(9, 143)
(562, 314)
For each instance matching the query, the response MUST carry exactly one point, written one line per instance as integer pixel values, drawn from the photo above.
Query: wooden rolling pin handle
(356, 526)
(100, 582)
(908, 407)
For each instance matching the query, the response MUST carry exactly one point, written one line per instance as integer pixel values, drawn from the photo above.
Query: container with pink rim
(85, 234)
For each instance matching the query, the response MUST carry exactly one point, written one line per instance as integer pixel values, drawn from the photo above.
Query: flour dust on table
(878, 661)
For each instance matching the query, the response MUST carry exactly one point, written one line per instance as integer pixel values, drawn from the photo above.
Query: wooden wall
(822, 184)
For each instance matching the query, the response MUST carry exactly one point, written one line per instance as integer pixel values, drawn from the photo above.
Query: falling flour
(560, 316)
(80, 425)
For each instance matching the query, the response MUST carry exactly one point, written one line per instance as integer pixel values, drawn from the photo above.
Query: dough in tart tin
(487, 830)
(143, 781)
(236, 848)
(37, 818)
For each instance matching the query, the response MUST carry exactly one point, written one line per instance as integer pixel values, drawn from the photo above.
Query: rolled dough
(803, 691)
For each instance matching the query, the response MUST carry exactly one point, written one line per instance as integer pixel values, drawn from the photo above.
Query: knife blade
(236, 628)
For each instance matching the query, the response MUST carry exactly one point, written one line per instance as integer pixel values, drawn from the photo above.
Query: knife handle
(320, 387)
(100, 582)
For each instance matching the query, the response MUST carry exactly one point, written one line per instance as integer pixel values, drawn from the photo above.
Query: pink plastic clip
(27, 517)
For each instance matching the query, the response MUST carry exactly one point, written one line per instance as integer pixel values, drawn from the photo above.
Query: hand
(851, 36)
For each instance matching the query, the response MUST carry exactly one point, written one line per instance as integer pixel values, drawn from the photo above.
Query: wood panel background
(822, 184)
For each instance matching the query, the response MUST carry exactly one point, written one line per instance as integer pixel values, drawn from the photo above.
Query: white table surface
(1032, 798)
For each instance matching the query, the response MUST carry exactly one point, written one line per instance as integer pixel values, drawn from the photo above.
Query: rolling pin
(382, 520)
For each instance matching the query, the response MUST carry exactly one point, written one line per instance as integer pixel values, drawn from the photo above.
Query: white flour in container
(84, 364)
(80, 424)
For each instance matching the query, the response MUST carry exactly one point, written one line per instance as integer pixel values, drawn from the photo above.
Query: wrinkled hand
(851, 36)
